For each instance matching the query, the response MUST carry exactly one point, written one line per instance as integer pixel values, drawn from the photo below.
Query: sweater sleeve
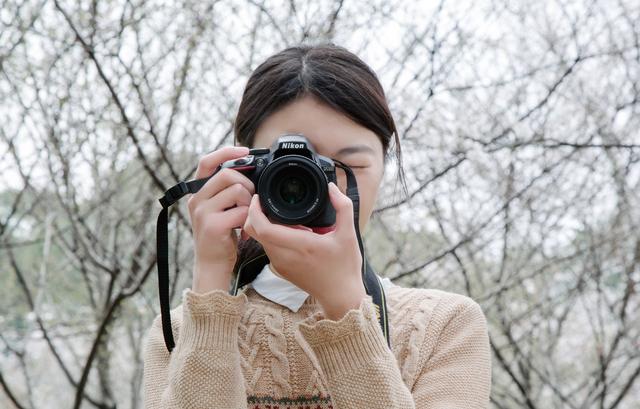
(203, 370)
(457, 372)
(361, 371)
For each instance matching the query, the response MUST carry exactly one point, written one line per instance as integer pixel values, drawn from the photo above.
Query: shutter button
(244, 161)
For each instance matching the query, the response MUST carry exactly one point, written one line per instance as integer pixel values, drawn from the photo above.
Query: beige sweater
(245, 351)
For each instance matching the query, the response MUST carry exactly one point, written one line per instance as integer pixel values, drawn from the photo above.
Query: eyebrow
(355, 149)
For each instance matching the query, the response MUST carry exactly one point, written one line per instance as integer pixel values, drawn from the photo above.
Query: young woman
(304, 333)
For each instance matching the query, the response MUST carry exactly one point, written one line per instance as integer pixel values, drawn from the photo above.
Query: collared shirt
(284, 292)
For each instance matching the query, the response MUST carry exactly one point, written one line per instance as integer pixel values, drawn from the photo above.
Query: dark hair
(332, 74)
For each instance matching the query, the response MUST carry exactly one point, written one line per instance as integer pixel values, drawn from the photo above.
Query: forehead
(327, 129)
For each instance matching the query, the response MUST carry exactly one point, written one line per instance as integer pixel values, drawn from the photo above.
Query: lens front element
(293, 189)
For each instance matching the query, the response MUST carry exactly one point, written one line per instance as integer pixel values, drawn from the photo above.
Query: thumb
(300, 227)
(344, 209)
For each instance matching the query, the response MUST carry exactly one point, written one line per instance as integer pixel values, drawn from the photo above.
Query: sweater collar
(284, 292)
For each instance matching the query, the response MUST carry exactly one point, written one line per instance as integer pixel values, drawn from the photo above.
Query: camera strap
(372, 283)
(171, 196)
(249, 269)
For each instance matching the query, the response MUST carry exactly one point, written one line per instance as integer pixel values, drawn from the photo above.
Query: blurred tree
(519, 123)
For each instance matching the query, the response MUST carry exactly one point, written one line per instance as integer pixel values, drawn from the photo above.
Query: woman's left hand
(327, 266)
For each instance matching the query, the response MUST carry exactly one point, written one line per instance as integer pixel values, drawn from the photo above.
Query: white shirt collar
(284, 292)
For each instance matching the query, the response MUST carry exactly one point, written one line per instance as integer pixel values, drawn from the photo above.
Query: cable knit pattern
(315, 385)
(417, 330)
(312, 387)
(249, 349)
(278, 348)
(398, 304)
(246, 352)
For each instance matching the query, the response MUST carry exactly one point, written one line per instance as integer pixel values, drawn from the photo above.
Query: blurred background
(519, 122)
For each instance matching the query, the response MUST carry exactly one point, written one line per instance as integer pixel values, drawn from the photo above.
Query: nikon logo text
(291, 145)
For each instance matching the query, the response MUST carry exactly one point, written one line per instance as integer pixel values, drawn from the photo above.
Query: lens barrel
(293, 189)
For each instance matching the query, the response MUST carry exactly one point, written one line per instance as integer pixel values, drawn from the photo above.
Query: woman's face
(334, 135)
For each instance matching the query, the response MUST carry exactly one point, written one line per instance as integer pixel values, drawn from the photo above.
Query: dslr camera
(291, 180)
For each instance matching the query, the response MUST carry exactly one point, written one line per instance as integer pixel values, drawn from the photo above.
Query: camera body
(291, 180)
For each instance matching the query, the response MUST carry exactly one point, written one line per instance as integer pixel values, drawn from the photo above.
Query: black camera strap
(250, 268)
(171, 196)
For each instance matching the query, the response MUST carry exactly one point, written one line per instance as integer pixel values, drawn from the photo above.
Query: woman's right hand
(212, 225)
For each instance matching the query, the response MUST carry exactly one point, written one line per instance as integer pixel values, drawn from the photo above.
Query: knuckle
(238, 188)
(244, 178)
(191, 203)
(225, 174)
(244, 211)
(197, 213)
(252, 187)
(221, 179)
(204, 164)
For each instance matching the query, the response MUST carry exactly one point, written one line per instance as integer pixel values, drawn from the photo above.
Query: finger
(260, 228)
(344, 209)
(232, 197)
(220, 181)
(209, 162)
(234, 218)
(300, 227)
(221, 223)
(236, 194)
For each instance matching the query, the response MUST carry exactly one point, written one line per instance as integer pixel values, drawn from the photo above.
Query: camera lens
(292, 190)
